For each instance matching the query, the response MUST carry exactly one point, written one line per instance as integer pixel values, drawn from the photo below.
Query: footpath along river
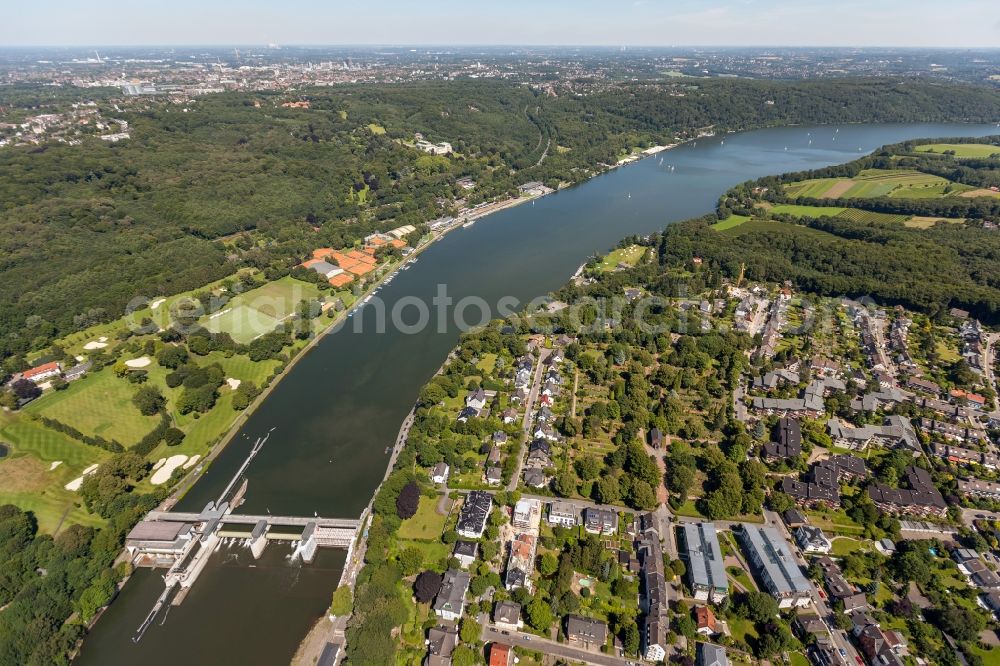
(341, 406)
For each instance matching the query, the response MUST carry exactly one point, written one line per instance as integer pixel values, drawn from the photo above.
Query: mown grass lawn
(100, 404)
(624, 255)
(28, 481)
(426, 523)
(844, 546)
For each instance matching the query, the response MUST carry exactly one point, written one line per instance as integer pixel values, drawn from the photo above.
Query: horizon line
(468, 45)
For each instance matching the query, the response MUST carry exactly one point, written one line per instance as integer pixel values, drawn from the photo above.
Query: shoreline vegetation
(119, 492)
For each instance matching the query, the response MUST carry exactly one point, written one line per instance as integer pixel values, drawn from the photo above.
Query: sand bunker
(140, 362)
(190, 463)
(75, 484)
(163, 474)
(157, 303)
(159, 464)
(233, 383)
(95, 345)
(55, 464)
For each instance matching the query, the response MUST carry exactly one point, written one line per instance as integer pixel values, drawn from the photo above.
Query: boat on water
(468, 224)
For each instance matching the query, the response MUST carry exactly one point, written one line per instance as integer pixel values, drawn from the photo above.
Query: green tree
(148, 400)
(342, 601)
(539, 614)
(470, 631)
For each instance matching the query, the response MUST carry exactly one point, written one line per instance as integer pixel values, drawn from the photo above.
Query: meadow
(960, 149)
(730, 222)
(624, 255)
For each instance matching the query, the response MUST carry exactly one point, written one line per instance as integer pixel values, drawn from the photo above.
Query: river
(342, 405)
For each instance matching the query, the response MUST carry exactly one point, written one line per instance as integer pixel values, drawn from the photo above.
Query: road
(991, 341)
(529, 407)
(970, 515)
(493, 635)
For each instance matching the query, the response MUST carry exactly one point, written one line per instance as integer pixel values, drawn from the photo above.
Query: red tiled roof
(499, 655)
(40, 370)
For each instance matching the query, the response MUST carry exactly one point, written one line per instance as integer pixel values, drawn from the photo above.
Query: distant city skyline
(913, 23)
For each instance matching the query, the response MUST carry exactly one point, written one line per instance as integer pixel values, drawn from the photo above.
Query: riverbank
(188, 481)
(335, 414)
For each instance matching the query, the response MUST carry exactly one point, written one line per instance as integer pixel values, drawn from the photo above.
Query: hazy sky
(593, 22)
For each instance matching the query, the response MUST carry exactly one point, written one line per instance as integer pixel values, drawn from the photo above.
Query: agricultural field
(870, 217)
(853, 214)
(806, 211)
(730, 222)
(960, 149)
(625, 255)
(260, 310)
(877, 183)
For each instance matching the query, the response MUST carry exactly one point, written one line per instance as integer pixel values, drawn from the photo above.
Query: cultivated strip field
(876, 183)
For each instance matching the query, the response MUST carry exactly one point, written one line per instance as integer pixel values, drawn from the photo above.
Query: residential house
(507, 616)
(653, 638)
(710, 654)
(439, 473)
(42, 372)
(501, 655)
(705, 621)
(449, 604)
(441, 643)
(465, 552)
(493, 475)
(922, 498)
(775, 566)
(476, 400)
(526, 513)
(979, 488)
(585, 632)
(563, 513)
(794, 518)
(520, 561)
(962, 456)
(539, 454)
(600, 521)
(535, 478)
(705, 567)
(924, 386)
(812, 540)
(789, 444)
(475, 512)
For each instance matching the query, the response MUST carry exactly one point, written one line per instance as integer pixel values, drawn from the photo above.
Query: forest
(237, 180)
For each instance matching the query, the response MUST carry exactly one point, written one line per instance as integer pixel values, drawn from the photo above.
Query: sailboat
(629, 195)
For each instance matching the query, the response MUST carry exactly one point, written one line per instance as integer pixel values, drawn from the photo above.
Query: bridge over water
(185, 541)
